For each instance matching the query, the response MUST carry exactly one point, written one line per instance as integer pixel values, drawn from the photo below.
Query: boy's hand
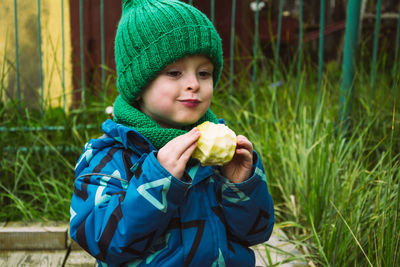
(176, 153)
(240, 167)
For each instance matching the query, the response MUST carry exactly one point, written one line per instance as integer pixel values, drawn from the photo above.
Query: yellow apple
(216, 145)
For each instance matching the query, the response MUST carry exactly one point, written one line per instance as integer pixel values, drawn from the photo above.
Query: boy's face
(181, 94)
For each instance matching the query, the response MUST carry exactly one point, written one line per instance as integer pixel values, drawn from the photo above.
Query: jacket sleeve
(247, 207)
(119, 210)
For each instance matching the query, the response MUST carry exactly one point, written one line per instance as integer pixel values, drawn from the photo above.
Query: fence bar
(103, 61)
(17, 55)
(44, 128)
(300, 47)
(375, 48)
(82, 53)
(396, 53)
(321, 45)
(349, 55)
(255, 55)
(40, 57)
(63, 56)
(213, 11)
(25, 149)
(232, 48)
(278, 40)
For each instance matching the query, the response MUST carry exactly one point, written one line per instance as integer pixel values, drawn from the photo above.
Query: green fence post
(63, 56)
(349, 55)
(321, 47)
(213, 11)
(300, 46)
(278, 40)
(103, 61)
(232, 48)
(17, 55)
(255, 56)
(375, 49)
(83, 104)
(40, 58)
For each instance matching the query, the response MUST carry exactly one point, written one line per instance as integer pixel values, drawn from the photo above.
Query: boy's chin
(182, 122)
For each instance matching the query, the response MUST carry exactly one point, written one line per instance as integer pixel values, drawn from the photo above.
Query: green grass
(336, 192)
(37, 169)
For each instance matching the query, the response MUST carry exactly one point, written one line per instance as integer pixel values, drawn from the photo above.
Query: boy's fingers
(243, 142)
(188, 152)
(242, 152)
(185, 141)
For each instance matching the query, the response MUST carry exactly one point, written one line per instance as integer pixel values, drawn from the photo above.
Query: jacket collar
(128, 137)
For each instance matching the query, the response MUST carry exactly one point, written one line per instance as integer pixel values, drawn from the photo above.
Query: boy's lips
(190, 102)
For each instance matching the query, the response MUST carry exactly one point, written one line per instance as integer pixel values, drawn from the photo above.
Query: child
(139, 198)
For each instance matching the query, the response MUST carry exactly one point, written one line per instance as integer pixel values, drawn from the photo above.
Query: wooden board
(47, 244)
(50, 258)
(74, 245)
(80, 258)
(33, 236)
(281, 251)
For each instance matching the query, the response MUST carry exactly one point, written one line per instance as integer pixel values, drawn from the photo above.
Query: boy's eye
(173, 73)
(205, 74)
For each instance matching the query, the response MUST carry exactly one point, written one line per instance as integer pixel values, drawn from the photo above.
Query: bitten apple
(216, 145)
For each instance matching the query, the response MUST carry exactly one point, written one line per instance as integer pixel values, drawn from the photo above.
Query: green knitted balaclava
(151, 35)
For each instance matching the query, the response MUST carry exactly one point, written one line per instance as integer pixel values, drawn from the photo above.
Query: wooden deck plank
(49, 258)
(46, 244)
(80, 258)
(280, 253)
(33, 236)
(74, 245)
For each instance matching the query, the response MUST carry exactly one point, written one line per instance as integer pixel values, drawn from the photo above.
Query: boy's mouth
(190, 102)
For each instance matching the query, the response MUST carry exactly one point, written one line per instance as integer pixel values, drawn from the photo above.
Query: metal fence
(352, 26)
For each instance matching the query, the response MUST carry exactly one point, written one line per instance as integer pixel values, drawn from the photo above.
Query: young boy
(139, 198)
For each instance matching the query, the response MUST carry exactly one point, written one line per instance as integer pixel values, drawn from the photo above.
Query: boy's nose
(192, 83)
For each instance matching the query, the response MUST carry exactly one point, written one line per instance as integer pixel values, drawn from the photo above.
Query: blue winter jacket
(127, 210)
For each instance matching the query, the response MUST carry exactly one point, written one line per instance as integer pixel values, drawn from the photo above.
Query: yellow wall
(51, 28)
(52, 52)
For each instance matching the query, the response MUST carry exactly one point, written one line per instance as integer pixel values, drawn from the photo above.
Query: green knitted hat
(155, 33)
(151, 35)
